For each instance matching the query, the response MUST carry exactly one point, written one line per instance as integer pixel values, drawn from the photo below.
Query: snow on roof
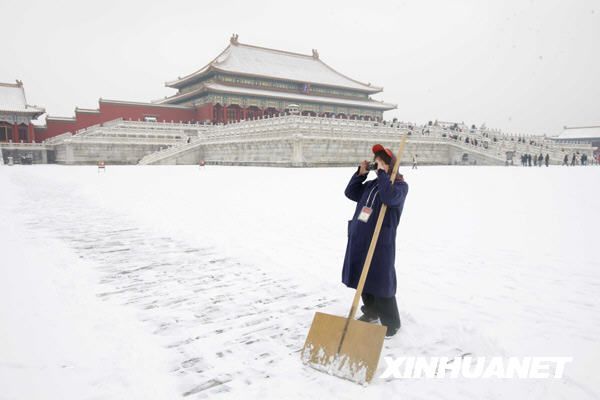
(246, 59)
(580, 132)
(288, 96)
(12, 99)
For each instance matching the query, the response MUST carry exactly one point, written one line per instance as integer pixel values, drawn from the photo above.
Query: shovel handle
(367, 265)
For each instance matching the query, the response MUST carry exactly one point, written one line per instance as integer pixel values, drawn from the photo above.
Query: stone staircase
(257, 136)
(170, 152)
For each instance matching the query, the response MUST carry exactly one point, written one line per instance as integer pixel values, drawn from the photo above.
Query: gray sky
(522, 66)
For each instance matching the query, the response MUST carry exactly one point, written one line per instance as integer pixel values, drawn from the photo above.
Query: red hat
(377, 148)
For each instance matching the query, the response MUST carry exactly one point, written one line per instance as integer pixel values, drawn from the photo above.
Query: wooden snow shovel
(346, 347)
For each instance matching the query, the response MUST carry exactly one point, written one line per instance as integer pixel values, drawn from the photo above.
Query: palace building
(243, 82)
(16, 115)
(247, 81)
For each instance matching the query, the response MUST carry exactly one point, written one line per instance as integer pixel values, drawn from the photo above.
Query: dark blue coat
(381, 280)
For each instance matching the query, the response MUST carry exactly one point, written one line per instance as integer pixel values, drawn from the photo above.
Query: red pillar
(224, 114)
(31, 133)
(15, 133)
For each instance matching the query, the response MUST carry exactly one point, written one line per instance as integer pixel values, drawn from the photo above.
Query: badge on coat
(365, 213)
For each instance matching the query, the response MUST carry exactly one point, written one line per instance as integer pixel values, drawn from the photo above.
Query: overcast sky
(522, 66)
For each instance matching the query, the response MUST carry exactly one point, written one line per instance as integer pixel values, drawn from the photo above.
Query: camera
(372, 166)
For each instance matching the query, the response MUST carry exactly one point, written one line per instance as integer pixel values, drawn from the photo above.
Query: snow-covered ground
(162, 282)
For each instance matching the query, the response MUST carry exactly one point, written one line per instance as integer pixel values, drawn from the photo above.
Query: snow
(58, 339)
(162, 281)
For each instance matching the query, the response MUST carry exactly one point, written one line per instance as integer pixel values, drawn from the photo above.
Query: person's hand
(364, 168)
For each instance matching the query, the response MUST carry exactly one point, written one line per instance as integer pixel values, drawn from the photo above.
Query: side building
(16, 115)
(580, 135)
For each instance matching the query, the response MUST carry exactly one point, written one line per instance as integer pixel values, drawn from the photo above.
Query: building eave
(222, 89)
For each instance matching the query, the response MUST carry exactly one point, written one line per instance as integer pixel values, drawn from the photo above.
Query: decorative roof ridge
(291, 53)
(17, 84)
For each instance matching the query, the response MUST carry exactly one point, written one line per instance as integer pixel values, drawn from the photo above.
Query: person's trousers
(385, 308)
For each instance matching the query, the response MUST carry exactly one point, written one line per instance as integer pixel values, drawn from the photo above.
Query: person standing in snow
(414, 166)
(566, 160)
(540, 160)
(379, 301)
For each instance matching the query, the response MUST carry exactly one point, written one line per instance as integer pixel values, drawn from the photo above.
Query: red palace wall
(136, 111)
(53, 128)
(204, 113)
(110, 110)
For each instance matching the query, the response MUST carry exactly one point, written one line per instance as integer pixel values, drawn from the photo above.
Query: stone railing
(125, 140)
(142, 129)
(58, 139)
(23, 145)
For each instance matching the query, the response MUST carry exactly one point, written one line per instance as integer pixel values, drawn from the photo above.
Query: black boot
(368, 318)
(391, 331)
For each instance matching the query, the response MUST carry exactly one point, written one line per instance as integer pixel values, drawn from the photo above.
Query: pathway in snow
(230, 324)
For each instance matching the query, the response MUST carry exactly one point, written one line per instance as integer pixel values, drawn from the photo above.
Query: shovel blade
(359, 355)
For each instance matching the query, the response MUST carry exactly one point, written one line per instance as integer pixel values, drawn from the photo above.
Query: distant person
(414, 160)
(574, 159)
(566, 160)
(535, 160)
(547, 159)
(540, 159)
